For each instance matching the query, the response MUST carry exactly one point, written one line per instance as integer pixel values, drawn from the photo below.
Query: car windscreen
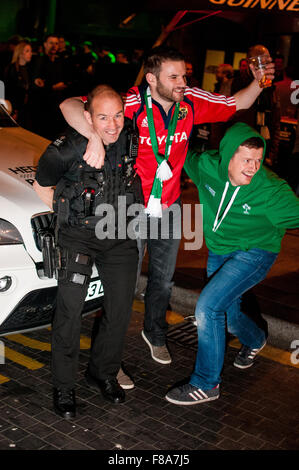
(5, 119)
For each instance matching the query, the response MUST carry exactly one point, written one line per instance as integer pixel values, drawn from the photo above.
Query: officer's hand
(95, 152)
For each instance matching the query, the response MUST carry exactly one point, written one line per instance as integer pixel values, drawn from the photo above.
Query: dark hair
(156, 56)
(98, 90)
(253, 143)
(53, 35)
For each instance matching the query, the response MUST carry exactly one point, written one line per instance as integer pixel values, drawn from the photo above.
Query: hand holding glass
(259, 63)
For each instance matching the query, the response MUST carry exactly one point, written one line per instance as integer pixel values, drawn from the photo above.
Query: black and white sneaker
(189, 395)
(246, 356)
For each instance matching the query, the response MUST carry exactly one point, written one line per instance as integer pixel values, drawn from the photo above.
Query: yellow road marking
(28, 362)
(23, 360)
(138, 306)
(275, 354)
(85, 342)
(41, 345)
(173, 318)
(31, 343)
(3, 379)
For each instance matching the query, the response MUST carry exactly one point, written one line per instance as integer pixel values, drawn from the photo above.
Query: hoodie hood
(233, 138)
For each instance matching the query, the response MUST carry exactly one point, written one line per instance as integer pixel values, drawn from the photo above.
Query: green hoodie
(257, 214)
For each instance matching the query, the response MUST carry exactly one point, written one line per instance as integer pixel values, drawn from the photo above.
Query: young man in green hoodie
(246, 210)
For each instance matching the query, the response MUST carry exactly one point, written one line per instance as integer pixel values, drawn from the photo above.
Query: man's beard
(166, 94)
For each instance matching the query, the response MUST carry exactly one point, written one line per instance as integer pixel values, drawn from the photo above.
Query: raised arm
(73, 112)
(247, 96)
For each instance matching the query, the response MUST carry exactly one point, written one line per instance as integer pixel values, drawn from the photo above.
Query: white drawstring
(216, 223)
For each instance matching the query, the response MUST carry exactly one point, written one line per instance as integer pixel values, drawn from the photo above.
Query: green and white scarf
(163, 173)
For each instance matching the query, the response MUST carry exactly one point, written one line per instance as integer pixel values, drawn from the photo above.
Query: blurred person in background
(191, 80)
(123, 72)
(6, 52)
(50, 79)
(224, 77)
(279, 67)
(64, 49)
(286, 89)
(18, 83)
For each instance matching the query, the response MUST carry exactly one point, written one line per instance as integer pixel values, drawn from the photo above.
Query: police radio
(89, 196)
(133, 140)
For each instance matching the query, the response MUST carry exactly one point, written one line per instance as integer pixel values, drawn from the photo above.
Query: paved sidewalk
(258, 408)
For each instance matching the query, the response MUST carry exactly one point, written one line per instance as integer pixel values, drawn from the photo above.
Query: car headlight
(5, 283)
(9, 234)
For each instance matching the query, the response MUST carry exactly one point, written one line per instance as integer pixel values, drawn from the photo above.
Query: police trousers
(116, 262)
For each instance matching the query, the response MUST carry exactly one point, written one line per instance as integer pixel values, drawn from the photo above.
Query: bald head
(256, 50)
(101, 92)
(105, 113)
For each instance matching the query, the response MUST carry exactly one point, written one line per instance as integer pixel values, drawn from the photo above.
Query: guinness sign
(268, 6)
(286, 5)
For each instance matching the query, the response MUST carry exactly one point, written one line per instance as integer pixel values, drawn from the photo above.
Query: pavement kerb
(281, 333)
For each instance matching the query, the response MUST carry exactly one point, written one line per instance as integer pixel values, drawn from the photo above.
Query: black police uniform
(79, 190)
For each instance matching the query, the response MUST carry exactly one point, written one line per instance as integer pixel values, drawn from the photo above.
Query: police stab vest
(83, 188)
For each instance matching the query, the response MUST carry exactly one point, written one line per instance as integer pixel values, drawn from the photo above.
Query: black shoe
(110, 388)
(64, 402)
(245, 357)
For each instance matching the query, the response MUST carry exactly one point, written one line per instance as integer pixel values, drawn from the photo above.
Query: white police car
(27, 296)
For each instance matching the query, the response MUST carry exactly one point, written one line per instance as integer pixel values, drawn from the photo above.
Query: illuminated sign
(288, 5)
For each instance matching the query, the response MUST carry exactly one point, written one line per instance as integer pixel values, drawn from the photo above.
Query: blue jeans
(162, 246)
(230, 276)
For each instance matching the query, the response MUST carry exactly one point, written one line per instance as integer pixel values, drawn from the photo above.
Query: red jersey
(197, 107)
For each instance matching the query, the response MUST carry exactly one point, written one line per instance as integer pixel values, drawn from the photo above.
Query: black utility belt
(91, 222)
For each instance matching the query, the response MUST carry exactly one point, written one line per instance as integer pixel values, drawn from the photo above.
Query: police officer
(80, 192)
